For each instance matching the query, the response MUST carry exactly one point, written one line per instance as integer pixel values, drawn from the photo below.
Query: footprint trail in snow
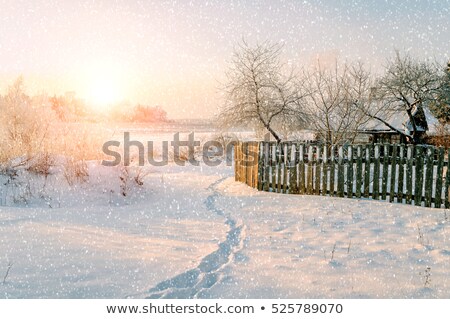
(195, 282)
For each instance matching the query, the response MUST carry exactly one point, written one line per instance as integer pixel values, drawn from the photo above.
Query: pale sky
(174, 53)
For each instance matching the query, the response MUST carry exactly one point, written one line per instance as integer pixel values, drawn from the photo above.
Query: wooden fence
(416, 175)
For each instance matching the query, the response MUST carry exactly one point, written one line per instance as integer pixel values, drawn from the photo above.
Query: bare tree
(259, 92)
(337, 100)
(405, 89)
(441, 106)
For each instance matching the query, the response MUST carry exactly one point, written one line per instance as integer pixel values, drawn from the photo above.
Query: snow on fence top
(416, 175)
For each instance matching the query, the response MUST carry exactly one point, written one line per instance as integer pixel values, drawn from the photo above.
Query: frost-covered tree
(407, 86)
(441, 106)
(338, 100)
(23, 123)
(260, 92)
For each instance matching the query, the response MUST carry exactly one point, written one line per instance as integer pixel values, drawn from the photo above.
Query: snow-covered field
(192, 232)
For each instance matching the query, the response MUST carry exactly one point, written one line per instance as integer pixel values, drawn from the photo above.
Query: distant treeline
(70, 108)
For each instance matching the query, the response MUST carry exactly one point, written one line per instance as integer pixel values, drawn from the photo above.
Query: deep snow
(192, 232)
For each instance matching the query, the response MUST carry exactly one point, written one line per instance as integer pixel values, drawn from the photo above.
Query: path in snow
(195, 282)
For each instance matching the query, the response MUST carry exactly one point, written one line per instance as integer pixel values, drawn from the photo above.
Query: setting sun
(104, 91)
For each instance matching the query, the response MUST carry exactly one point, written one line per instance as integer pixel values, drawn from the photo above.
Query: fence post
(429, 170)
(236, 162)
(301, 169)
(247, 166)
(292, 169)
(260, 176)
(273, 166)
(241, 163)
(264, 151)
(332, 170)
(419, 177)
(376, 173)
(310, 170)
(367, 170)
(447, 181)
(341, 179)
(350, 172)
(279, 169)
(439, 177)
(358, 171)
(401, 171)
(409, 173)
(384, 179)
(318, 172)
(325, 170)
(286, 160)
(393, 173)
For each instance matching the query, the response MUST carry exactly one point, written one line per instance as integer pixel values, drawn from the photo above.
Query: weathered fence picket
(439, 171)
(358, 171)
(401, 171)
(418, 187)
(350, 172)
(417, 175)
(332, 171)
(409, 174)
(384, 178)
(393, 170)
(367, 169)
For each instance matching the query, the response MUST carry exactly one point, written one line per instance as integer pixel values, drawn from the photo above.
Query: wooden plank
(384, 177)
(418, 187)
(367, 169)
(376, 173)
(256, 169)
(241, 164)
(279, 166)
(359, 175)
(236, 162)
(447, 182)
(439, 177)
(401, 171)
(249, 164)
(309, 186)
(341, 179)
(260, 176)
(350, 172)
(266, 162)
(393, 170)
(429, 170)
(292, 170)
(248, 167)
(409, 173)
(285, 166)
(325, 171)
(301, 170)
(318, 171)
(273, 150)
(332, 166)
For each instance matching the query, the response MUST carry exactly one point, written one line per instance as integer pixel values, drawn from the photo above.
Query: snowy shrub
(130, 177)
(41, 164)
(124, 178)
(82, 141)
(75, 171)
(24, 123)
(139, 176)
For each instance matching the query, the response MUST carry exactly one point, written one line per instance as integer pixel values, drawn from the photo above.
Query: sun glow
(103, 84)
(104, 91)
